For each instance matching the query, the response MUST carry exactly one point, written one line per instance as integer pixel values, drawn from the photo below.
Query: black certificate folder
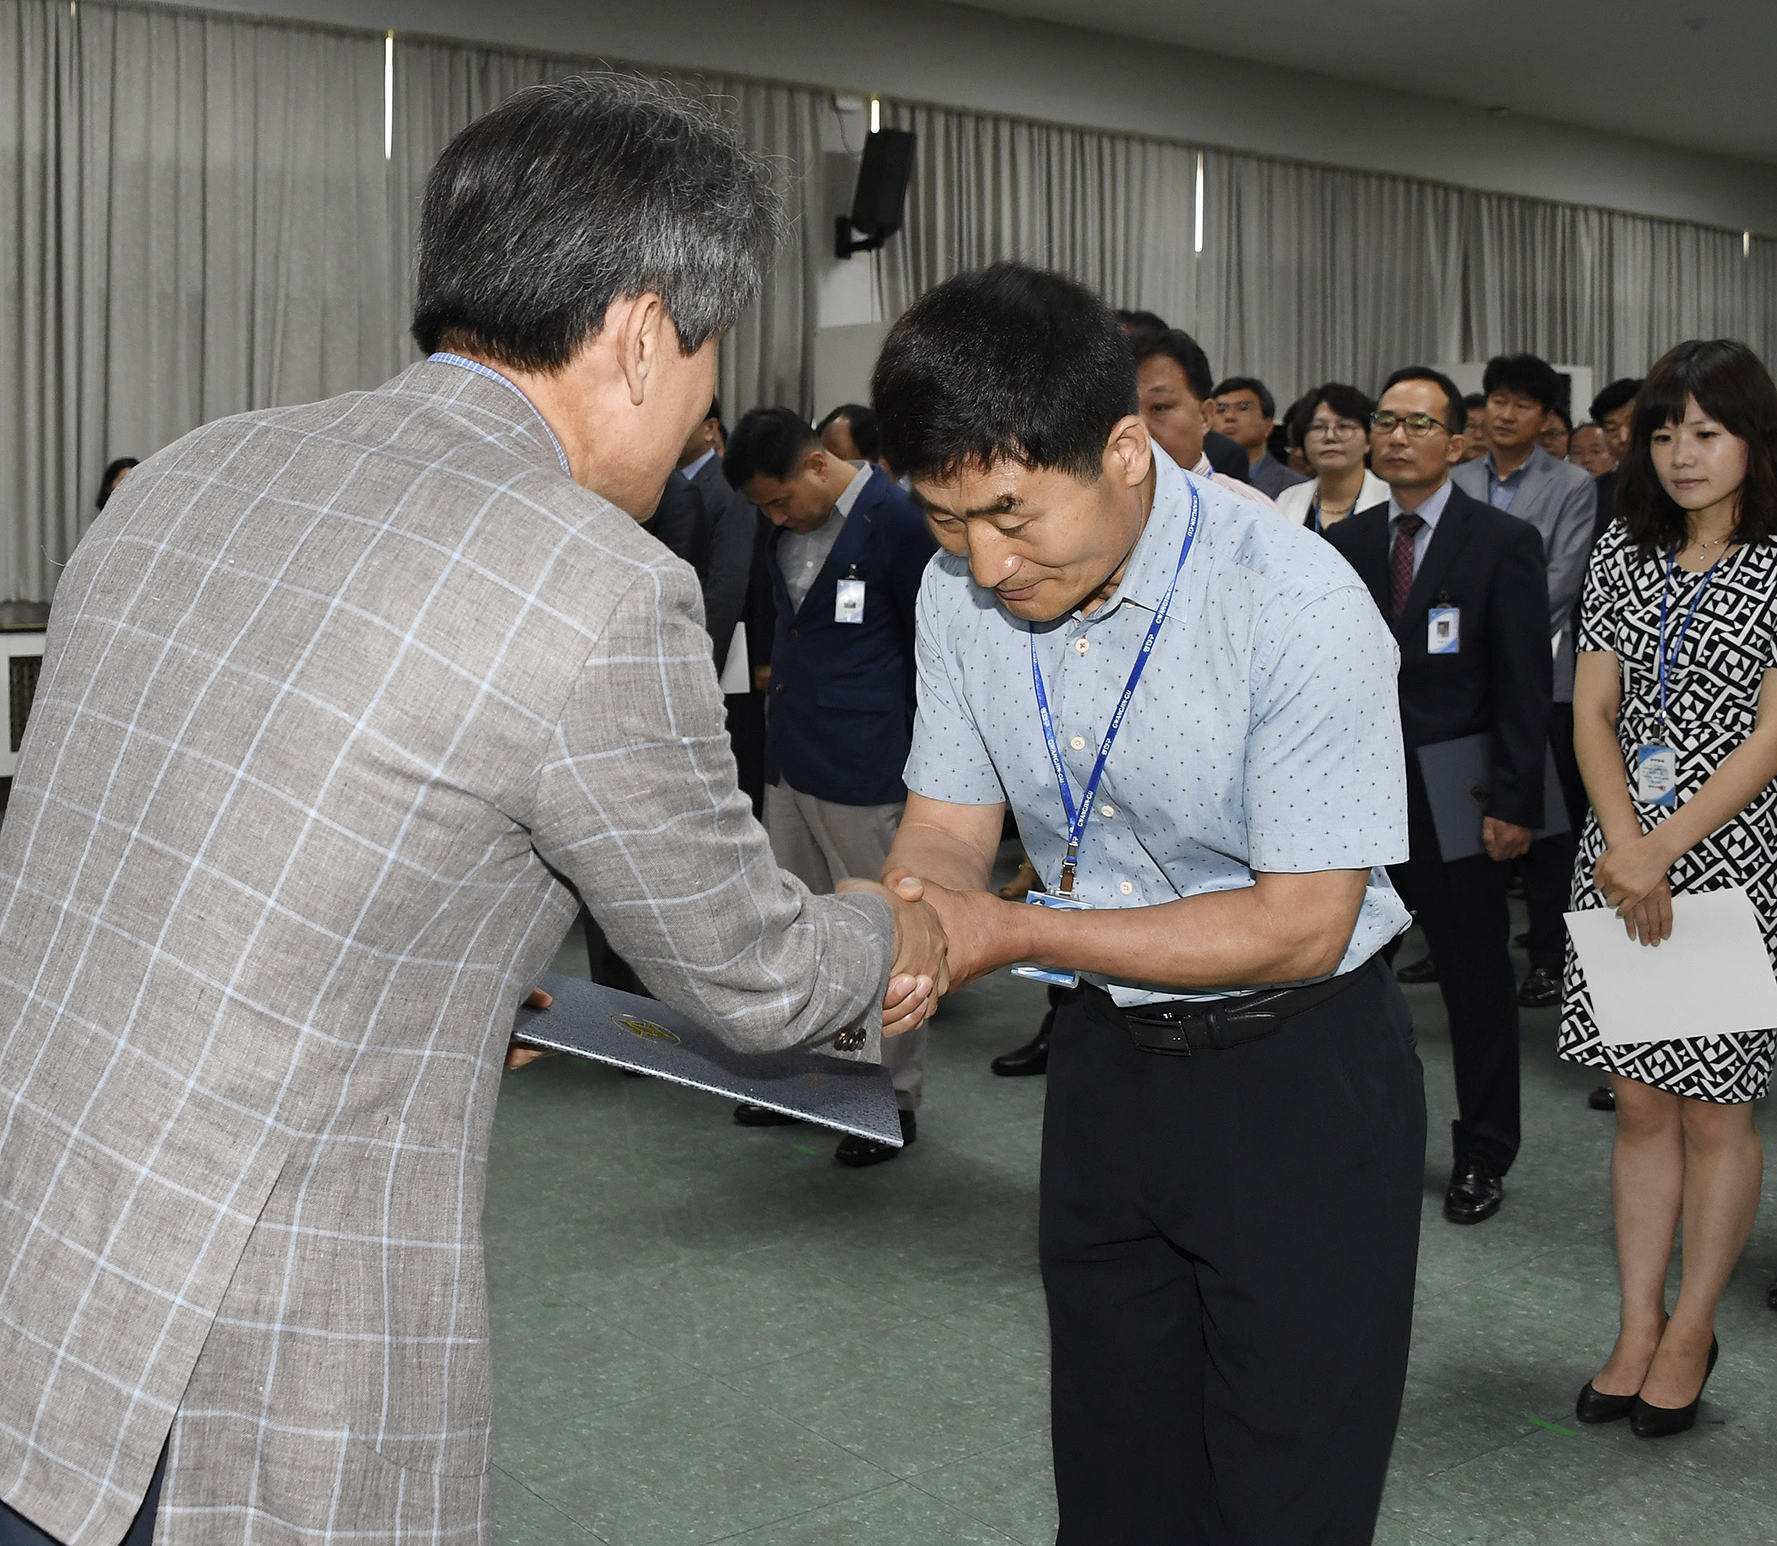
(1458, 783)
(642, 1034)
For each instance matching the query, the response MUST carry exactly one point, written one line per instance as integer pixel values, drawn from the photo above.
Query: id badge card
(1656, 775)
(1068, 904)
(1443, 630)
(848, 602)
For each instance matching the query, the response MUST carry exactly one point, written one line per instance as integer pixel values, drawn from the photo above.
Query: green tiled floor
(704, 1333)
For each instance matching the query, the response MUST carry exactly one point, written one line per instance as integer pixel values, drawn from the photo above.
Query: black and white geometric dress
(1712, 695)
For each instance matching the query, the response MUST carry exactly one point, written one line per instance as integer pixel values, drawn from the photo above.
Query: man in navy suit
(1464, 587)
(845, 564)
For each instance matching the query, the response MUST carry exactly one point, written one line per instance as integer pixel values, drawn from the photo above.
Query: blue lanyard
(1076, 818)
(444, 357)
(1668, 661)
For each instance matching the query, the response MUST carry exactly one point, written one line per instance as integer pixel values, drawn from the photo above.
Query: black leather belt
(1182, 1026)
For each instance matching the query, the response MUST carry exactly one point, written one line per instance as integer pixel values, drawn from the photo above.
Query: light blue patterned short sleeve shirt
(1265, 734)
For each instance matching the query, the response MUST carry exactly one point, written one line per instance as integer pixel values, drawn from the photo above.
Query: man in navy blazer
(1463, 585)
(845, 564)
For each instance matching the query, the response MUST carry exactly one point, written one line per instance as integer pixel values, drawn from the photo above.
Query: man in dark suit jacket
(844, 564)
(711, 526)
(1434, 558)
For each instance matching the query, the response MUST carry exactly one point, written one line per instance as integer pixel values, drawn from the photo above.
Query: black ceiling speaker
(881, 197)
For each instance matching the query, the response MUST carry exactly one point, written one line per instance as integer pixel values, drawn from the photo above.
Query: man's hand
(517, 1052)
(976, 924)
(1632, 877)
(918, 976)
(762, 678)
(1503, 839)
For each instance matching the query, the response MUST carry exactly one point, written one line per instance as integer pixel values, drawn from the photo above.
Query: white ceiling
(1683, 72)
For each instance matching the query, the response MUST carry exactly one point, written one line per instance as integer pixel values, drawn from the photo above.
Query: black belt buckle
(1167, 1035)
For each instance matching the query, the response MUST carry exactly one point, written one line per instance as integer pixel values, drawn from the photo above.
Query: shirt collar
(853, 489)
(1427, 512)
(1513, 479)
(698, 466)
(443, 357)
(1155, 559)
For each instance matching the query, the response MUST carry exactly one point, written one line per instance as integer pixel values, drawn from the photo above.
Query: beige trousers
(822, 843)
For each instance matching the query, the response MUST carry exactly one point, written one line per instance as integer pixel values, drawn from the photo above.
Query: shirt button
(1082, 645)
(1078, 743)
(1107, 810)
(1126, 889)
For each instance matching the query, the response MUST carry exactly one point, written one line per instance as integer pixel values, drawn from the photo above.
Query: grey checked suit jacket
(1561, 502)
(334, 698)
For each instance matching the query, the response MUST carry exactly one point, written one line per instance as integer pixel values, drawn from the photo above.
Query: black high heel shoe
(1594, 1406)
(1659, 1422)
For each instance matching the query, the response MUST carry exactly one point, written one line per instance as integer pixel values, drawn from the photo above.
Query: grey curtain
(1310, 273)
(201, 224)
(204, 222)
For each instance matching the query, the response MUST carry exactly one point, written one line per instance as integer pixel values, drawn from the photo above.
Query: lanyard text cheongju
(1076, 818)
(1668, 661)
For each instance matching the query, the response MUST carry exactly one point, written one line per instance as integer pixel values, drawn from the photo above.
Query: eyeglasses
(1343, 430)
(1416, 424)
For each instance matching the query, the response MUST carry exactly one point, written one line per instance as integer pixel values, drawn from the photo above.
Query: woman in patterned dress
(1697, 512)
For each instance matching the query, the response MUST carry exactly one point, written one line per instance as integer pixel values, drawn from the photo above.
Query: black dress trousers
(1548, 866)
(1228, 1244)
(1461, 907)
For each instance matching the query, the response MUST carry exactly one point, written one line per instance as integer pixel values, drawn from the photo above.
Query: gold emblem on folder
(644, 1028)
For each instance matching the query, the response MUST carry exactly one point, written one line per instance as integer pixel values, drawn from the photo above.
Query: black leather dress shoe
(1475, 1192)
(1541, 988)
(1423, 970)
(859, 1152)
(1604, 1098)
(1594, 1406)
(1031, 1058)
(1659, 1422)
(749, 1115)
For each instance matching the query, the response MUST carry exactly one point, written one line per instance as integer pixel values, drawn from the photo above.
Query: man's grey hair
(569, 196)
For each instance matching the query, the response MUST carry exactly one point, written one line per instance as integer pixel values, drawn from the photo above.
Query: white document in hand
(1713, 976)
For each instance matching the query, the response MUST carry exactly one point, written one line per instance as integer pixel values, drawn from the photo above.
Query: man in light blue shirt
(1519, 476)
(1234, 1143)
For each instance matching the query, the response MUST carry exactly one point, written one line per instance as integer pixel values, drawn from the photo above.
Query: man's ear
(643, 329)
(1129, 453)
(1453, 453)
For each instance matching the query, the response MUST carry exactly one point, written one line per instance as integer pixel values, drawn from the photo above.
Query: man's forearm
(1223, 939)
(935, 854)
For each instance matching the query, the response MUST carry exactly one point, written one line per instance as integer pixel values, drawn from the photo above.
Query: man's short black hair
(1526, 374)
(862, 424)
(1562, 414)
(1141, 321)
(1610, 398)
(1181, 347)
(1474, 401)
(569, 196)
(1007, 363)
(1455, 408)
(769, 441)
(1267, 403)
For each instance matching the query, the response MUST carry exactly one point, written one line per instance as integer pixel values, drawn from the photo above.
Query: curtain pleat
(203, 221)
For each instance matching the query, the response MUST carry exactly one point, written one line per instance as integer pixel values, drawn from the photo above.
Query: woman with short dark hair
(1675, 727)
(1335, 439)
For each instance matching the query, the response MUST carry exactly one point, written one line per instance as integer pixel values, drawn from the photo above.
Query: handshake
(943, 939)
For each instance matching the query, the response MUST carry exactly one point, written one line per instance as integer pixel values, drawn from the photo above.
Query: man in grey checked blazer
(335, 700)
